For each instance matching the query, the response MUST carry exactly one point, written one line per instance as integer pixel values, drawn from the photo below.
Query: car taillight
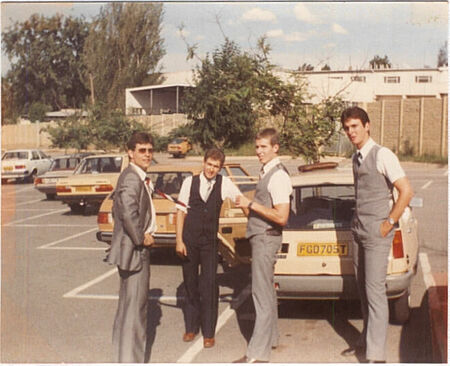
(19, 166)
(104, 188)
(37, 181)
(103, 218)
(397, 245)
(63, 189)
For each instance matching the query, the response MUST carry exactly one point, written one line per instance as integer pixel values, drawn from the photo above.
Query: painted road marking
(427, 184)
(426, 270)
(21, 204)
(19, 190)
(75, 291)
(52, 225)
(50, 245)
(37, 216)
(197, 347)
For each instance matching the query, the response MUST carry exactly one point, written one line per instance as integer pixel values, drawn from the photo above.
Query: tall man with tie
(376, 172)
(268, 213)
(134, 224)
(201, 199)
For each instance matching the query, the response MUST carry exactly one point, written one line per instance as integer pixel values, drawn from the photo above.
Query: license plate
(49, 180)
(8, 168)
(322, 249)
(82, 189)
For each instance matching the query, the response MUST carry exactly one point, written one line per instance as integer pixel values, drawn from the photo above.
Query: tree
(306, 67)
(443, 55)
(9, 109)
(46, 67)
(123, 50)
(37, 112)
(73, 132)
(378, 62)
(221, 103)
(326, 67)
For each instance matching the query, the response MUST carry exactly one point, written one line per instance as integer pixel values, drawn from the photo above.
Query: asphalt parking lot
(59, 297)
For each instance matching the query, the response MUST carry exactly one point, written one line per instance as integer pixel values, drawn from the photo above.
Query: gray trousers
(265, 333)
(130, 324)
(370, 260)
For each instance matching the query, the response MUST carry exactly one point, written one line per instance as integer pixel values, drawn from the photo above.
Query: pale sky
(341, 34)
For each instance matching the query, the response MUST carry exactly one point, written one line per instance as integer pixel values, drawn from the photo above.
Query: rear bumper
(47, 189)
(15, 175)
(161, 240)
(334, 287)
(82, 199)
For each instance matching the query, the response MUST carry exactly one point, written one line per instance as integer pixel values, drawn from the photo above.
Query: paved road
(59, 297)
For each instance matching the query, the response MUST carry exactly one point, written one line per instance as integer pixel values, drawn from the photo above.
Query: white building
(352, 85)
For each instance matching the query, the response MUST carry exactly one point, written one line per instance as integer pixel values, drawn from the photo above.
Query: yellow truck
(179, 147)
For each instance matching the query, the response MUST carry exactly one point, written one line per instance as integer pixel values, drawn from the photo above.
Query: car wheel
(399, 308)
(4, 181)
(31, 177)
(77, 208)
(50, 196)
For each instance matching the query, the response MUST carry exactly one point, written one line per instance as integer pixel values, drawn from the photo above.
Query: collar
(204, 180)
(139, 170)
(274, 162)
(366, 148)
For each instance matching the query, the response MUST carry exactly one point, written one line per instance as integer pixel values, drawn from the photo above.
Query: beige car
(315, 260)
(95, 177)
(168, 179)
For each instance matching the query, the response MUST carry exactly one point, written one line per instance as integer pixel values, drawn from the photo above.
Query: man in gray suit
(134, 224)
(376, 172)
(268, 213)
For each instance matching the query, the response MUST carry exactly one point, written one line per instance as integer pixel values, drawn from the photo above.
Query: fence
(415, 126)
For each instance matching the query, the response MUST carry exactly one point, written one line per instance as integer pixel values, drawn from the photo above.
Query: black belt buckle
(273, 232)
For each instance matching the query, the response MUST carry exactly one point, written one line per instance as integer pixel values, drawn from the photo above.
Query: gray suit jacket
(131, 213)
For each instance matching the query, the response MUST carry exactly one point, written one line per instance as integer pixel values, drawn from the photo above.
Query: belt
(273, 232)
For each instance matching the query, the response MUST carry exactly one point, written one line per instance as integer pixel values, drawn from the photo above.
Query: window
(35, 155)
(423, 79)
(168, 182)
(392, 79)
(361, 79)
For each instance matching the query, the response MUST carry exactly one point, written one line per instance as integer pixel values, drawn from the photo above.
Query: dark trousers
(202, 292)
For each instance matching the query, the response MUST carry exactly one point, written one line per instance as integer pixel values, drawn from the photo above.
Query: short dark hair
(139, 138)
(215, 154)
(269, 133)
(354, 113)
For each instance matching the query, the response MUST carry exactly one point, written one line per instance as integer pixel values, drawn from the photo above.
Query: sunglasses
(143, 150)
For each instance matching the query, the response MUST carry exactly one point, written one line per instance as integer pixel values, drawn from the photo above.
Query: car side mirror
(416, 202)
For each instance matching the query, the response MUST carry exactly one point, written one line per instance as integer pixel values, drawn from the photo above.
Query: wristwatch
(250, 205)
(391, 221)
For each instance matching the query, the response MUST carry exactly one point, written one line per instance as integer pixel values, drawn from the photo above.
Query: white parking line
(19, 191)
(46, 246)
(427, 184)
(37, 216)
(426, 270)
(446, 172)
(21, 204)
(197, 347)
(75, 291)
(52, 225)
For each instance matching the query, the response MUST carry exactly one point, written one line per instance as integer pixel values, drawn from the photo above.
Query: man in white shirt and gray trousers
(376, 172)
(269, 212)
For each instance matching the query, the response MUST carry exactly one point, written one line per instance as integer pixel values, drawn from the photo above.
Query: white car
(24, 164)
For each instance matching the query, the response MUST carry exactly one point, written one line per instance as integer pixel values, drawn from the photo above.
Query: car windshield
(15, 155)
(322, 207)
(177, 141)
(240, 178)
(64, 164)
(104, 164)
(168, 182)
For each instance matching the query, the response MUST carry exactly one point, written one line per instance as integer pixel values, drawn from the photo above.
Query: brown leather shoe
(188, 337)
(208, 342)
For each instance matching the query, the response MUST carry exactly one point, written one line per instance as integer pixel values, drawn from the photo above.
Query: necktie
(208, 190)
(359, 158)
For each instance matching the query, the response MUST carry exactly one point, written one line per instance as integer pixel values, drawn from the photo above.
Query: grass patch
(247, 149)
(426, 158)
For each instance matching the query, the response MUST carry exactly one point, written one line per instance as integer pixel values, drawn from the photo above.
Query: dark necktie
(208, 190)
(359, 158)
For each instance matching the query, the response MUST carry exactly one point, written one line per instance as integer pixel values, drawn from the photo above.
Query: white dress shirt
(387, 162)
(151, 229)
(280, 185)
(229, 190)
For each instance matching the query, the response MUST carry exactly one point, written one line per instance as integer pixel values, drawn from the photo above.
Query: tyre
(76, 208)
(30, 178)
(399, 308)
(50, 196)
(4, 180)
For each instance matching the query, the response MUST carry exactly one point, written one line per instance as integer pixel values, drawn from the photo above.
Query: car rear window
(109, 164)
(64, 164)
(322, 207)
(168, 182)
(15, 155)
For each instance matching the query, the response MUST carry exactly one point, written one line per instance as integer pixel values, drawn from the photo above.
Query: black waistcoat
(202, 219)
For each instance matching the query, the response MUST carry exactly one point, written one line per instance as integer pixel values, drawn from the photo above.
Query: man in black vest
(197, 225)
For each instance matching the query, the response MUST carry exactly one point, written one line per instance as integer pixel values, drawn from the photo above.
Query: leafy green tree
(45, 56)
(73, 132)
(306, 67)
(326, 67)
(123, 50)
(378, 62)
(443, 55)
(9, 109)
(37, 112)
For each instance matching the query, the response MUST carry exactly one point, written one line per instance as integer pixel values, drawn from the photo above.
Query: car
(61, 167)
(24, 164)
(315, 259)
(179, 147)
(168, 179)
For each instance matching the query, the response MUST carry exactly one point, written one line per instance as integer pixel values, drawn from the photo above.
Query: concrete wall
(418, 124)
